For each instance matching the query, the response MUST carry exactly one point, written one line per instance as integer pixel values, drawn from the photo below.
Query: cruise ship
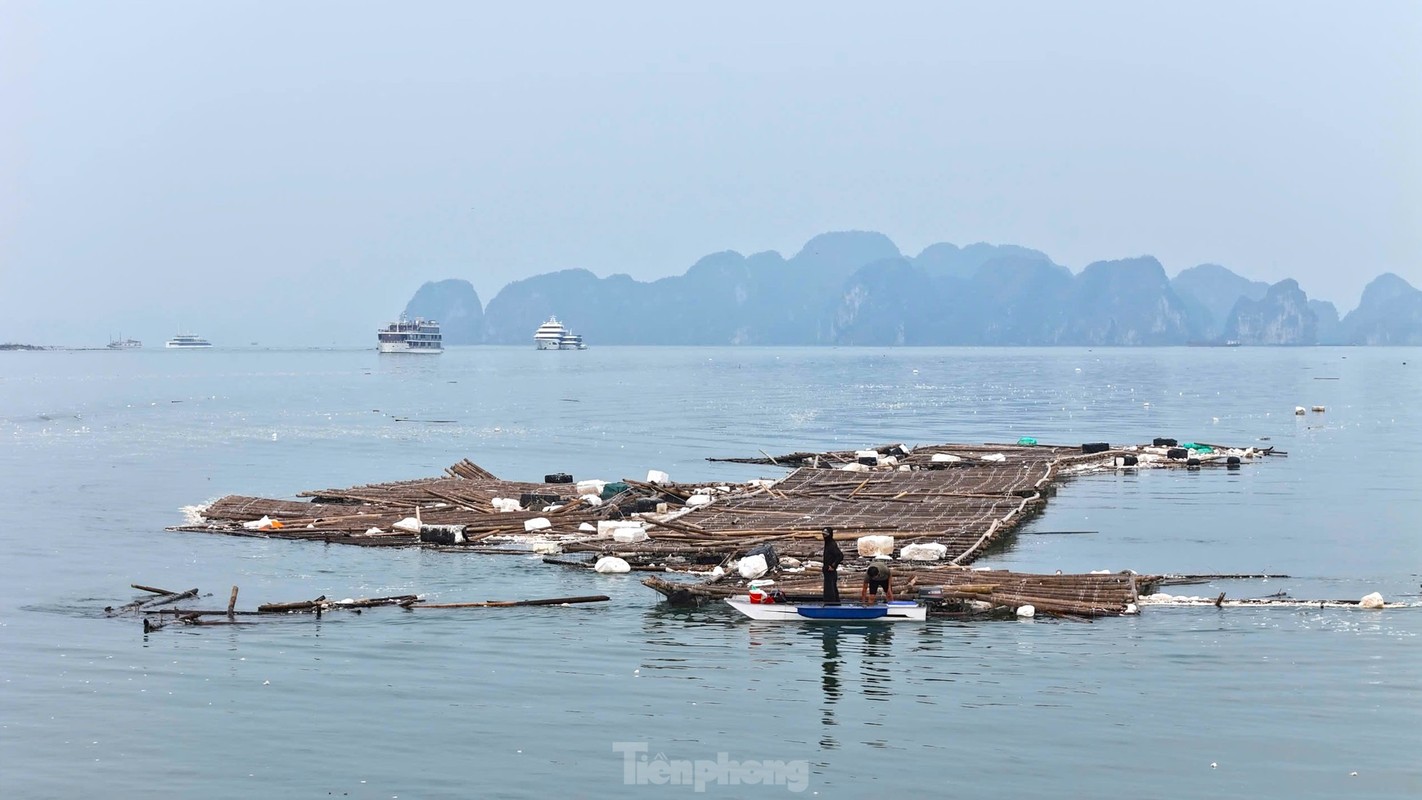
(418, 335)
(549, 335)
(187, 341)
(554, 335)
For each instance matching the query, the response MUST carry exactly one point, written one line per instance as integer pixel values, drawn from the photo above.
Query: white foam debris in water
(195, 515)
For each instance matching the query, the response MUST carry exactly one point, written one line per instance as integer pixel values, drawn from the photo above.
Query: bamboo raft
(966, 498)
(950, 590)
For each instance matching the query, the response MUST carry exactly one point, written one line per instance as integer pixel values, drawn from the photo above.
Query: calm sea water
(102, 449)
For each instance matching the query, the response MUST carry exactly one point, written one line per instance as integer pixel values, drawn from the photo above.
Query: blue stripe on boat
(842, 612)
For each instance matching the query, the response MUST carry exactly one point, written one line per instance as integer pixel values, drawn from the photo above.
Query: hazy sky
(290, 173)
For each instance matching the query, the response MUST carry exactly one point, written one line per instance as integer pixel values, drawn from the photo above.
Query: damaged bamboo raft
(957, 500)
(156, 612)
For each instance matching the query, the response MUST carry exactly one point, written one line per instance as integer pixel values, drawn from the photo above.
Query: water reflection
(829, 682)
(875, 667)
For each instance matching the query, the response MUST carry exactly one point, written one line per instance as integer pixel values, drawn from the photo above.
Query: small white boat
(124, 344)
(897, 611)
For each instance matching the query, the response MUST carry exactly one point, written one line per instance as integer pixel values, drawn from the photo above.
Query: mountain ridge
(859, 288)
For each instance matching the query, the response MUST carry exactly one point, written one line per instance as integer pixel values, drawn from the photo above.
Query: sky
(290, 173)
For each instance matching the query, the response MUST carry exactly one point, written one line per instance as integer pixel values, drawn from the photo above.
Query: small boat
(124, 344)
(896, 611)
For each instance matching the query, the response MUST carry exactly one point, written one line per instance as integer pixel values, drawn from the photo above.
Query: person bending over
(876, 578)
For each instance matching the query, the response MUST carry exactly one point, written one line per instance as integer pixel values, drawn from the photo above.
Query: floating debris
(155, 619)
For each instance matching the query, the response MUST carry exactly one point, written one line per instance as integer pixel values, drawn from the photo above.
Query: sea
(632, 698)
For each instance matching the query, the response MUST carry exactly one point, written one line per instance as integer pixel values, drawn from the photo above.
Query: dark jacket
(833, 555)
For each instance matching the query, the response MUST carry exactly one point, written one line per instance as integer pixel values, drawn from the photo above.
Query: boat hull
(404, 347)
(899, 611)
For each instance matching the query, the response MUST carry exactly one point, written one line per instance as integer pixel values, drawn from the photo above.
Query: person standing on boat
(876, 578)
(833, 558)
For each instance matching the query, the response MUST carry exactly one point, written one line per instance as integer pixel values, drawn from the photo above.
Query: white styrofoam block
(929, 551)
(875, 545)
(629, 534)
(611, 565)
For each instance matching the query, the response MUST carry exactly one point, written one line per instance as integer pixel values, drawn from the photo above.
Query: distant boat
(549, 335)
(187, 341)
(411, 336)
(554, 335)
(124, 344)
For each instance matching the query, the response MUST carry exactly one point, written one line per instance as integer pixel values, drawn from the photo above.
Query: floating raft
(963, 497)
(948, 589)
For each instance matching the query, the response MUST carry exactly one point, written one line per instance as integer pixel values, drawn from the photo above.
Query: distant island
(13, 346)
(857, 288)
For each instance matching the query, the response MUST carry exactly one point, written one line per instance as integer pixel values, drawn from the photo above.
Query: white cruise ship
(187, 341)
(571, 341)
(411, 336)
(549, 335)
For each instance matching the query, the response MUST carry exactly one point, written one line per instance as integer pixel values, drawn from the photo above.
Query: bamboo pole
(553, 601)
(172, 598)
(301, 605)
